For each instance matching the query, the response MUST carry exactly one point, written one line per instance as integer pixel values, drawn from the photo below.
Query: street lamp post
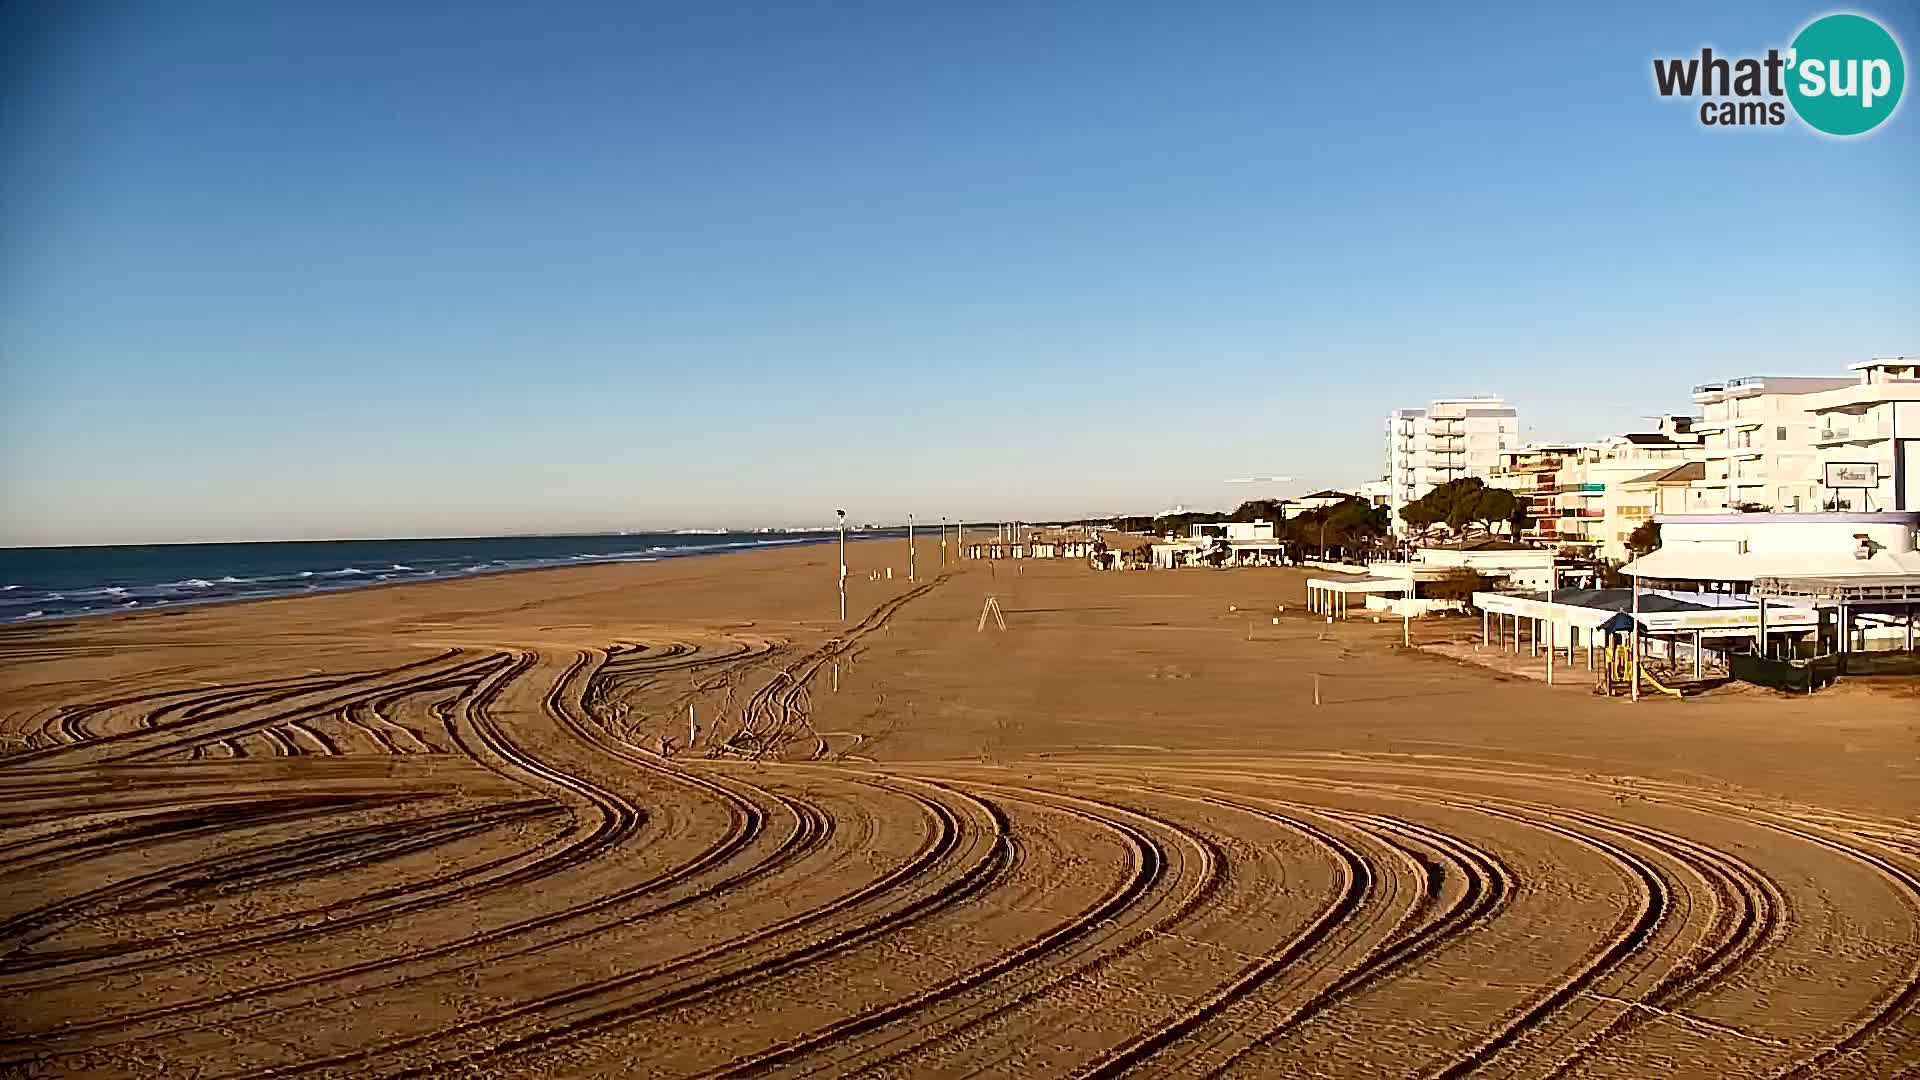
(943, 542)
(843, 564)
(909, 547)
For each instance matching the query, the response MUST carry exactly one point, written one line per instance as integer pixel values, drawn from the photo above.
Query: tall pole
(909, 547)
(943, 542)
(1634, 670)
(1553, 577)
(843, 564)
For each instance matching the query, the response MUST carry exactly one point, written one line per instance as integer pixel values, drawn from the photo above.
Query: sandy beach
(459, 828)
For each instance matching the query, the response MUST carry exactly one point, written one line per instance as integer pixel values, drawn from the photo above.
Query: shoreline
(431, 578)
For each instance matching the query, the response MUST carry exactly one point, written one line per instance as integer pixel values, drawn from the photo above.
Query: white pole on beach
(943, 542)
(909, 547)
(1634, 692)
(1553, 625)
(843, 564)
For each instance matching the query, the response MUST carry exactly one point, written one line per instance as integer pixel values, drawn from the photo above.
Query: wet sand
(458, 828)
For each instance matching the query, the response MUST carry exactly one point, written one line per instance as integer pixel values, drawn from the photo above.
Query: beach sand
(458, 828)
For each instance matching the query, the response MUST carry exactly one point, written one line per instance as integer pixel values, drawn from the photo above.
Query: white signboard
(1852, 474)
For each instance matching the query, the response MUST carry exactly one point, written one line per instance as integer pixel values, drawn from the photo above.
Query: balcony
(1571, 489)
(1858, 432)
(1567, 513)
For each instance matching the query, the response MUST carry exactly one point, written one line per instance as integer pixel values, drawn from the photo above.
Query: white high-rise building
(1758, 441)
(1449, 439)
(1867, 437)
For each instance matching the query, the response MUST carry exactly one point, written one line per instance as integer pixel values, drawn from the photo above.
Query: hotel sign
(1844, 475)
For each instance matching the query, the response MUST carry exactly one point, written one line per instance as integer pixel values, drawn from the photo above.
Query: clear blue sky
(356, 269)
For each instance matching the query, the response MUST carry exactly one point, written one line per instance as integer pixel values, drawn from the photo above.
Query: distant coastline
(46, 583)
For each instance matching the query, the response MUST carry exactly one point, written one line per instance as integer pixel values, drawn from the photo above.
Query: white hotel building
(1758, 442)
(1871, 431)
(1449, 439)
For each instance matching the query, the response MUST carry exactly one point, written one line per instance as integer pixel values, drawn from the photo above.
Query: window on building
(1780, 434)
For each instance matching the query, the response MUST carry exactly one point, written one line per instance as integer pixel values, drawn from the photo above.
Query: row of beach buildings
(1788, 514)
(1794, 444)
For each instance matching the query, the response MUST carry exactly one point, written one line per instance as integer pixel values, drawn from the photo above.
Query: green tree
(1492, 506)
(1644, 538)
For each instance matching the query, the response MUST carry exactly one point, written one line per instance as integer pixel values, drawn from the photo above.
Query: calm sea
(47, 583)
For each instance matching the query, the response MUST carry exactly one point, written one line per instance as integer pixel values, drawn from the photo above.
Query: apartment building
(1532, 473)
(1596, 498)
(1577, 495)
(1449, 439)
(1867, 438)
(1758, 442)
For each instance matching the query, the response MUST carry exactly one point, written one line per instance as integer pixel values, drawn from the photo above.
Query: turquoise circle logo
(1845, 74)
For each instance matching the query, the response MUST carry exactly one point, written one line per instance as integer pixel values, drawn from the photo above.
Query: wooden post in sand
(1316, 688)
(692, 731)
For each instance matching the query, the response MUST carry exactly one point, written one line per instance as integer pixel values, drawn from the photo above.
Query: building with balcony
(1757, 442)
(1532, 473)
(1449, 439)
(1577, 494)
(1866, 438)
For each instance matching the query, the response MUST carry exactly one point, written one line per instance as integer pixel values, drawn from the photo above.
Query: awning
(1360, 585)
(1678, 618)
(1700, 562)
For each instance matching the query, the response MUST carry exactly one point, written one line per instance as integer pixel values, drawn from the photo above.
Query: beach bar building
(1859, 570)
(1396, 587)
(1578, 621)
(1248, 542)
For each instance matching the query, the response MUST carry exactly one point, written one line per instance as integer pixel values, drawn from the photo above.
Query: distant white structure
(1248, 542)
(1758, 442)
(1449, 439)
(1867, 437)
(1395, 587)
(1236, 532)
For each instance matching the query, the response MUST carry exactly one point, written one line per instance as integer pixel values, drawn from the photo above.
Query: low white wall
(1336, 567)
(1401, 607)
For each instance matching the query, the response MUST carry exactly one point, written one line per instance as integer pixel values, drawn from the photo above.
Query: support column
(1486, 639)
(1533, 631)
(1846, 628)
(1761, 643)
(1910, 608)
(1589, 650)
(1698, 669)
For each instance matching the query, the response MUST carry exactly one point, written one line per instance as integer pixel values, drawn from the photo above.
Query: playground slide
(1657, 684)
